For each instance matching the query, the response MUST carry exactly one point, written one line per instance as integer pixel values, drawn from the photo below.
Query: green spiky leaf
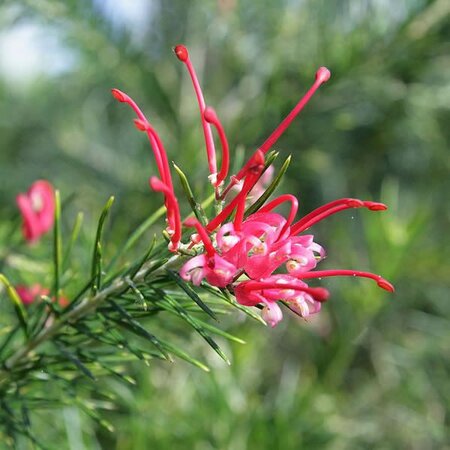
(96, 268)
(20, 310)
(57, 246)
(191, 293)
(195, 206)
(270, 189)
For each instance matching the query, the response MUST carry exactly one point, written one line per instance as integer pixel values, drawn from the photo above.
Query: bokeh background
(373, 370)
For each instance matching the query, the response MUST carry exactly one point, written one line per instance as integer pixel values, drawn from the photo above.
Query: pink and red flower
(263, 259)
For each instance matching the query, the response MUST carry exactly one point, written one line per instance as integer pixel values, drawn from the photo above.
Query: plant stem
(88, 304)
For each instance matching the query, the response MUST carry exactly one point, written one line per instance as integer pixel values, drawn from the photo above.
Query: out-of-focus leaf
(135, 325)
(216, 330)
(57, 246)
(177, 351)
(197, 327)
(21, 313)
(73, 237)
(137, 234)
(75, 360)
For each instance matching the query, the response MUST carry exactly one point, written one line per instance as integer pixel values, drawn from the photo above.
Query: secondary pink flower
(28, 294)
(37, 207)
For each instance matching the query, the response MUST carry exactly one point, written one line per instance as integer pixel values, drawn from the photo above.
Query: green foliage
(17, 302)
(96, 333)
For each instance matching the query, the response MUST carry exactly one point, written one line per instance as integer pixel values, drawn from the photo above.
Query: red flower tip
(384, 284)
(323, 75)
(141, 125)
(119, 95)
(209, 114)
(190, 222)
(156, 184)
(375, 206)
(320, 294)
(181, 53)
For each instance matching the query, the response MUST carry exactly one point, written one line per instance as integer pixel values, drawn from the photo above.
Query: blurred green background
(372, 370)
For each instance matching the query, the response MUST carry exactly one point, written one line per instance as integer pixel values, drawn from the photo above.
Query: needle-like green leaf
(135, 236)
(197, 327)
(57, 246)
(89, 410)
(73, 237)
(195, 206)
(191, 293)
(183, 355)
(96, 269)
(137, 327)
(219, 332)
(75, 360)
(270, 189)
(135, 269)
(17, 303)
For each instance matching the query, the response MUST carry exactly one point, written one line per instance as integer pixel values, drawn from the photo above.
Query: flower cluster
(265, 258)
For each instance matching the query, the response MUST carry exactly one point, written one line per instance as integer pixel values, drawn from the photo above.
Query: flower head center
(37, 202)
(294, 264)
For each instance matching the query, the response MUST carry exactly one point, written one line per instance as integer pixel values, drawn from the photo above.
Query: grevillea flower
(263, 259)
(37, 207)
